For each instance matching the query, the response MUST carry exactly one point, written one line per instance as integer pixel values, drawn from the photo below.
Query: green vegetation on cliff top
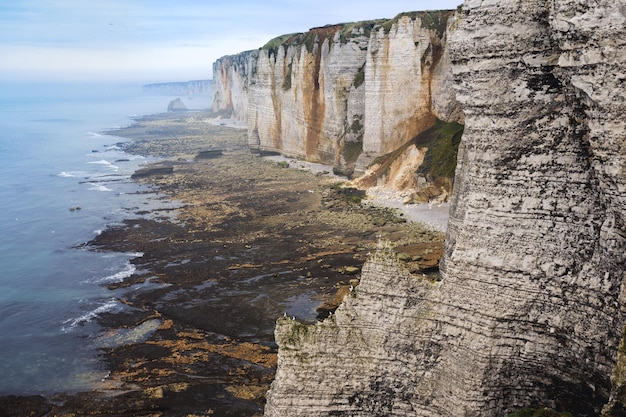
(273, 45)
(435, 20)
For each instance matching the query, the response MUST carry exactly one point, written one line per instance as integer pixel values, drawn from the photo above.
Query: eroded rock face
(342, 94)
(232, 76)
(363, 360)
(529, 311)
(538, 217)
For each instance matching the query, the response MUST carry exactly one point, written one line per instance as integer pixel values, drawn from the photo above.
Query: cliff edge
(529, 308)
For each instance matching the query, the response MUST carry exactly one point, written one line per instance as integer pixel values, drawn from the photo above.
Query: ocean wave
(96, 134)
(105, 163)
(70, 324)
(98, 187)
(128, 270)
(118, 254)
(71, 174)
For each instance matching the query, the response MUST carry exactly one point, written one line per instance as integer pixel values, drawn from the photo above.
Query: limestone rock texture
(342, 94)
(529, 309)
(231, 81)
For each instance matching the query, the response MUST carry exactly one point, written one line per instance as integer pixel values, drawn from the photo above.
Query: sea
(63, 180)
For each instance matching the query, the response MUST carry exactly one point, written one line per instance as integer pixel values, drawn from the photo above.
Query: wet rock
(210, 154)
(30, 406)
(153, 170)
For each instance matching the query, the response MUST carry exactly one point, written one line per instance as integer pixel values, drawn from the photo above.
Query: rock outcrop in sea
(529, 308)
(176, 105)
(350, 95)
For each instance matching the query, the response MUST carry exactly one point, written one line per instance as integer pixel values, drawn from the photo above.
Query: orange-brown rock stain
(314, 107)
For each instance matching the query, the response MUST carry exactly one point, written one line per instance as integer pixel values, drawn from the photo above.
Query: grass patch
(356, 29)
(273, 45)
(442, 141)
(360, 77)
(351, 151)
(298, 332)
(287, 81)
(435, 20)
(350, 195)
(320, 34)
(308, 39)
(356, 127)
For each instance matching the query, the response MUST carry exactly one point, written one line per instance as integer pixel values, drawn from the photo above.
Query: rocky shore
(251, 240)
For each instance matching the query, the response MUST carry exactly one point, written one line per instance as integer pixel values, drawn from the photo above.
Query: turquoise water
(54, 156)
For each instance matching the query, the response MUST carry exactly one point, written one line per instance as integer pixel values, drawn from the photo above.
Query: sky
(148, 41)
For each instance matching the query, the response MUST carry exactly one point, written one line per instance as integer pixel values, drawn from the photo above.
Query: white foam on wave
(105, 163)
(98, 187)
(118, 254)
(70, 324)
(96, 134)
(71, 174)
(128, 270)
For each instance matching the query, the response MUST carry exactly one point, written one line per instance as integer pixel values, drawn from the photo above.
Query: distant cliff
(529, 309)
(186, 88)
(348, 94)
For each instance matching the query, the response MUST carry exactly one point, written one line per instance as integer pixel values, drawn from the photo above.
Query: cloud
(157, 39)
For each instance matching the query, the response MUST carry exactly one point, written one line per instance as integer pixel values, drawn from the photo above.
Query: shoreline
(250, 240)
(434, 215)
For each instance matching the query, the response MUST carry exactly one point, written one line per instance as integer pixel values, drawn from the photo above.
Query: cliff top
(433, 19)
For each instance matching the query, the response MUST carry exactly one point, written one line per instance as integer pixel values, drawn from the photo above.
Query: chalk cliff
(343, 94)
(529, 308)
(188, 88)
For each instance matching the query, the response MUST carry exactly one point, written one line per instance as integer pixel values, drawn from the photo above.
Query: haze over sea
(53, 158)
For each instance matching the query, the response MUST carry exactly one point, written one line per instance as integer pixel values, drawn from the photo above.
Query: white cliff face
(188, 88)
(400, 66)
(345, 94)
(232, 76)
(529, 310)
(298, 104)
